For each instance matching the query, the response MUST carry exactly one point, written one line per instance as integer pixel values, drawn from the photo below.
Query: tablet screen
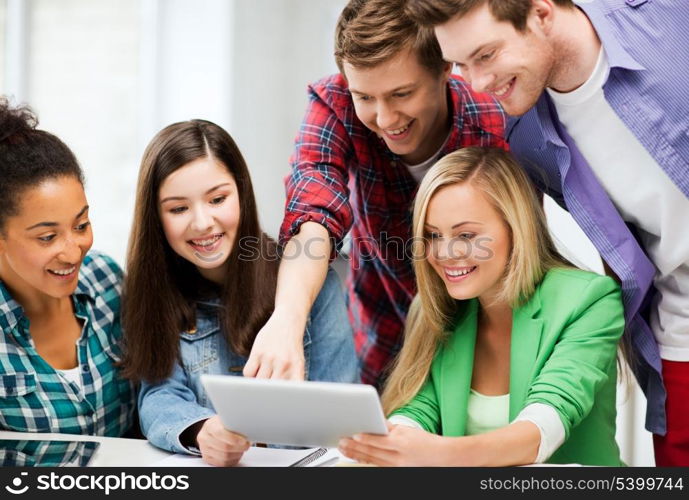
(39, 453)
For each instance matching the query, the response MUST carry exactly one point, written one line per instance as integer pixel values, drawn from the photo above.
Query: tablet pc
(46, 453)
(298, 413)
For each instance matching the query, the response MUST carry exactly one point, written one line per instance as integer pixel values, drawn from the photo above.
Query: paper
(257, 457)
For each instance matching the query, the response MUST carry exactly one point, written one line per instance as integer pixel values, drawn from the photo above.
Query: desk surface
(113, 452)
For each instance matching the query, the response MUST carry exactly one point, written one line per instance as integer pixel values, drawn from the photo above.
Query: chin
(460, 294)
(60, 294)
(520, 106)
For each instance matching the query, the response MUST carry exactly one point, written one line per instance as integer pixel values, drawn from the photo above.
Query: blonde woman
(509, 354)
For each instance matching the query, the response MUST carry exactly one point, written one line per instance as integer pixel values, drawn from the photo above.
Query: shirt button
(85, 368)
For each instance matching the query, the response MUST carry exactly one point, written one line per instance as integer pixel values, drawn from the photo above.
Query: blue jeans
(168, 408)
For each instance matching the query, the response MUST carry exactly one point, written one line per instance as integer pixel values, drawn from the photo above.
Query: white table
(112, 452)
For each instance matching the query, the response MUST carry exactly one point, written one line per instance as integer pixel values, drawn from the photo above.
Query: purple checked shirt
(646, 46)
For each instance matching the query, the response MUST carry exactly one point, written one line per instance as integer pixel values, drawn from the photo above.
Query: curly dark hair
(28, 157)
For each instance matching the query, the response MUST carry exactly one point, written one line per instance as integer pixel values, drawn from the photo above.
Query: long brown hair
(161, 287)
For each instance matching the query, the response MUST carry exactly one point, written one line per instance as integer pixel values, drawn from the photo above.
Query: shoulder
(100, 275)
(333, 91)
(480, 109)
(574, 289)
(472, 102)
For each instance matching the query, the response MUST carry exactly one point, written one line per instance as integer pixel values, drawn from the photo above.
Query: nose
(450, 249)
(71, 251)
(201, 221)
(439, 247)
(386, 116)
(480, 80)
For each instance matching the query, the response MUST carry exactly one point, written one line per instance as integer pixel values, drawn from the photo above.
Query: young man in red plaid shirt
(368, 136)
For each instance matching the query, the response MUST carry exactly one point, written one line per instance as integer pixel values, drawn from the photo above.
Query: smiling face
(43, 246)
(469, 242)
(404, 103)
(199, 211)
(515, 67)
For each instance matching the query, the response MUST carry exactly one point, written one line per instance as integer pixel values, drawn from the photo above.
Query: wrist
(463, 451)
(291, 316)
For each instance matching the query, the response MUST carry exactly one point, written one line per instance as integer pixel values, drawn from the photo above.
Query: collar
(12, 313)
(455, 110)
(85, 289)
(617, 56)
(458, 359)
(10, 310)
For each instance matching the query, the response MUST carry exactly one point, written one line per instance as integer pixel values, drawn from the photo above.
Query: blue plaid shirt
(34, 397)
(38, 453)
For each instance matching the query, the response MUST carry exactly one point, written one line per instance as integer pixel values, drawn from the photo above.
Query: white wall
(3, 13)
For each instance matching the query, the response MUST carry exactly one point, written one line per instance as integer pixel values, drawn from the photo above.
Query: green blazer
(563, 353)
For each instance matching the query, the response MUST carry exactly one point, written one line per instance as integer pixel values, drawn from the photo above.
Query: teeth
(63, 272)
(207, 242)
(399, 130)
(458, 273)
(501, 92)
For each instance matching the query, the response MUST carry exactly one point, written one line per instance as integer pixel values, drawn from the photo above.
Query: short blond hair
(371, 32)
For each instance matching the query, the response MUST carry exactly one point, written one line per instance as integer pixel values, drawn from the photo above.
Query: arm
(420, 445)
(574, 372)
(317, 211)
(583, 355)
(172, 419)
(515, 444)
(423, 408)
(278, 350)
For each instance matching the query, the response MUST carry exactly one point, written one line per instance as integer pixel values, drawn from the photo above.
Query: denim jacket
(168, 408)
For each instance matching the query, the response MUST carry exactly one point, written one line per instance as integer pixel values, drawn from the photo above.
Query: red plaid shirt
(345, 178)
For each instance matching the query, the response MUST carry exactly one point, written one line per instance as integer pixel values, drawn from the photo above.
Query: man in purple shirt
(600, 104)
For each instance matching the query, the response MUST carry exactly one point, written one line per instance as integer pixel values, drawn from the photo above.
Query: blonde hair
(533, 253)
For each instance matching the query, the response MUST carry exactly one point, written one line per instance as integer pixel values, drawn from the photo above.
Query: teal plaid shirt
(34, 397)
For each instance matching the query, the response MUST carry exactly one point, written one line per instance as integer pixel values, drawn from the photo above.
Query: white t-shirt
(643, 194)
(73, 375)
(419, 170)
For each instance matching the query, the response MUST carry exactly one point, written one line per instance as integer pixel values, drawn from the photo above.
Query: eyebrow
(396, 89)
(178, 198)
(456, 225)
(55, 224)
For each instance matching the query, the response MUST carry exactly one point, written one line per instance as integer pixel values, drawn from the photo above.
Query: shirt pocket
(200, 350)
(22, 407)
